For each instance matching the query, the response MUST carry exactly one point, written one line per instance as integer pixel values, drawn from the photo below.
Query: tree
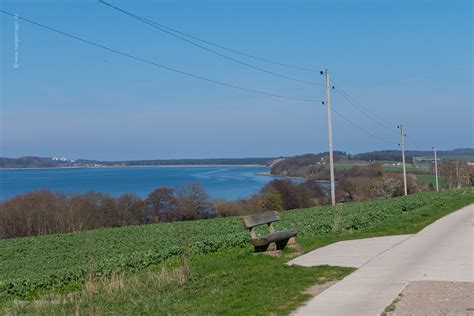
(292, 195)
(193, 203)
(133, 210)
(456, 174)
(161, 204)
(314, 188)
(345, 190)
(269, 200)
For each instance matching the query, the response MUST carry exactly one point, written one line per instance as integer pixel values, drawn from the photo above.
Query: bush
(292, 195)
(385, 187)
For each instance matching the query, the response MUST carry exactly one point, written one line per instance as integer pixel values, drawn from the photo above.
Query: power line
(372, 116)
(172, 33)
(363, 109)
(363, 129)
(159, 65)
(364, 112)
(193, 75)
(416, 145)
(234, 50)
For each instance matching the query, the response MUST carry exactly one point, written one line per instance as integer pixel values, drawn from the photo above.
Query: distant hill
(282, 165)
(309, 165)
(53, 162)
(33, 162)
(300, 166)
(394, 155)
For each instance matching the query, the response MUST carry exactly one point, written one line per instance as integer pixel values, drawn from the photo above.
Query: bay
(228, 182)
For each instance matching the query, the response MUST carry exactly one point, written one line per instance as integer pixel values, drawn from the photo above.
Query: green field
(386, 165)
(457, 157)
(346, 165)
(220, 258)
(409, 167)
(429, 179)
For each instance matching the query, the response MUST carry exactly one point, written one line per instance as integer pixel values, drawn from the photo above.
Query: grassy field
(458, 157)
(429, 179)
(386, 165)
(346, 165)
(140, 269)
(409, 167)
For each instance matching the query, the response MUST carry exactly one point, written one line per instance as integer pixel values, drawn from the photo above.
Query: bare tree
(162, 203)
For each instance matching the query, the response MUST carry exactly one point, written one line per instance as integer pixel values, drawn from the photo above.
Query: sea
(227, 182)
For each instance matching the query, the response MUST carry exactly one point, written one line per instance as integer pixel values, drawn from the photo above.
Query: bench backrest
(253, 220)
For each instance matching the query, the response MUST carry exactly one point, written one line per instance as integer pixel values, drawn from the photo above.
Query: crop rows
(33, 264)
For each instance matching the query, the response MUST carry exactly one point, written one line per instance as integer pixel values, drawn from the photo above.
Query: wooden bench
(271, 241)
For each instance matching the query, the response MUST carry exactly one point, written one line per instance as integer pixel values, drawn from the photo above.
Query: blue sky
(404, 61)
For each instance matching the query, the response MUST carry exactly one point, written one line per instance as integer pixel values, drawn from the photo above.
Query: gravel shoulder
(434, 298)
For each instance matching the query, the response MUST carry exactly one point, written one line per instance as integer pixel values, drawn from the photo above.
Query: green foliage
(272, 200)
(410, 168)
(34, 265)
(231, 282)
(394, 155)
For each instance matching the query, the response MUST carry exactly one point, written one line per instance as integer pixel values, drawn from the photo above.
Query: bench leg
(260, 248)
(270, 247)
(280, 245)
(292, 241)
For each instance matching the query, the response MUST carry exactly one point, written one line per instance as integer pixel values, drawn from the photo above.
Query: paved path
(349, 253)
(443, 251)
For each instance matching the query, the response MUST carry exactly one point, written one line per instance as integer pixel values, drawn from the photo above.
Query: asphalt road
(443, 251)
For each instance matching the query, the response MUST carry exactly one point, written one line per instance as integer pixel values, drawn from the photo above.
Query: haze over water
(229, 182)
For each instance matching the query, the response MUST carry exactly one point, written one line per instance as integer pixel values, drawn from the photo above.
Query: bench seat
(273, 237)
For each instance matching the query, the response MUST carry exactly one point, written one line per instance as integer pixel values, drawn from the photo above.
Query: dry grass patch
(117, 287)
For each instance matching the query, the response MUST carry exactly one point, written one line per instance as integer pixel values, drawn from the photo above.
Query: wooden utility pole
(331, 157)
(402, 145)
(457, 175)
(436, 168)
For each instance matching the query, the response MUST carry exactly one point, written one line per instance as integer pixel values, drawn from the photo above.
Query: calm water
(223, 182)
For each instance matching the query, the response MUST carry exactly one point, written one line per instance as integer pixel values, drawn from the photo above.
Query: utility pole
(436, 168)
(457, 174)
(331, 158)
(402, 144)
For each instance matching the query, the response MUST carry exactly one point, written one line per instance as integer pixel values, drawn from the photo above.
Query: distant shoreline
(144, 166)
(267, 173)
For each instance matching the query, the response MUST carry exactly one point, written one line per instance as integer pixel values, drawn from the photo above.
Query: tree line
(48, 162)
(44, 212)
